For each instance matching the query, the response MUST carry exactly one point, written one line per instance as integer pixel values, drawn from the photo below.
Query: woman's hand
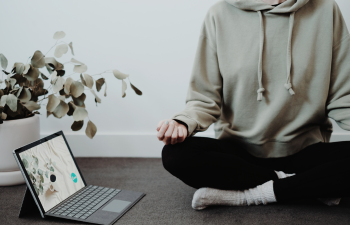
(171, 132)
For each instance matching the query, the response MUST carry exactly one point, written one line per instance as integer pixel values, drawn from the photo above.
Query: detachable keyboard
(85, 203)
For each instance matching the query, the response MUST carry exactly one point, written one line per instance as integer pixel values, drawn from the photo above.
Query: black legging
(321, 169)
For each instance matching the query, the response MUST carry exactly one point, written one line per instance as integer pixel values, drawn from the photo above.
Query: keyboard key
(100, 204)
(78, 215)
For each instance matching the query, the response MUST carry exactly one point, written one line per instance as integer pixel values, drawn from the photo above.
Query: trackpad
(116, 206)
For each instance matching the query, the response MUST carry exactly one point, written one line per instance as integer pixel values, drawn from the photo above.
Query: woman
(269, 76)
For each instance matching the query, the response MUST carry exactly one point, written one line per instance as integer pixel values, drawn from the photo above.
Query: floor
(168, 200)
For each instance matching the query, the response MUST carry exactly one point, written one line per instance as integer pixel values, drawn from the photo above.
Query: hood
(257, 5)
(288, 6)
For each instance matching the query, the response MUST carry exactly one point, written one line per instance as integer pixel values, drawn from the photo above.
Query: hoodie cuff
(191, 124)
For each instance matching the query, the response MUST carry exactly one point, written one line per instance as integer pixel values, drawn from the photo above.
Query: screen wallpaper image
(52, 171)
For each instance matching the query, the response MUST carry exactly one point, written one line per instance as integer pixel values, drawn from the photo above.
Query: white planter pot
(15, 134)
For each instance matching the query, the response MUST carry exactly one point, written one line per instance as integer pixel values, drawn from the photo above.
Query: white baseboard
(132, 144)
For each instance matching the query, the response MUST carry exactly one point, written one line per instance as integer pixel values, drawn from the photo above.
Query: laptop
(58, 188)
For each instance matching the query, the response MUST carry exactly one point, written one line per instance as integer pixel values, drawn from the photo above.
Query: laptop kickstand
(28, 205)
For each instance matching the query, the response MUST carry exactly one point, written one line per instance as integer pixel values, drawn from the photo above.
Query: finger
(181, 134)
(162, 130)
(184, 131)
(160, 124)
(174, 135)
(168, 133)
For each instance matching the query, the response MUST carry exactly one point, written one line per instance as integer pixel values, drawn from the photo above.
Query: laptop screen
(52, 171)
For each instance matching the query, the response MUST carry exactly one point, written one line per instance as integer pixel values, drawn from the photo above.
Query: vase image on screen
(51, 170)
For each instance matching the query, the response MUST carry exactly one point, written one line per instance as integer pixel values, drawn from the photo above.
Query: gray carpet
(168, 200)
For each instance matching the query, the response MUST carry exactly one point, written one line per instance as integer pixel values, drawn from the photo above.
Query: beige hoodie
(270, 77)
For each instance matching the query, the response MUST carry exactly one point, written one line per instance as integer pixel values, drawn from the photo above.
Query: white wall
(154, 41)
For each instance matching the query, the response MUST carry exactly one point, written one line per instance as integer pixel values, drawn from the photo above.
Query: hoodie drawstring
(287, 85)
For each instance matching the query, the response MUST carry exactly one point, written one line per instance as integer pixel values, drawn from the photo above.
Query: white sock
(261, 194)
(327, 201)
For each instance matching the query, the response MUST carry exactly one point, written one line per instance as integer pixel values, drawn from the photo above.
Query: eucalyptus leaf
(82, 80)
(88, 80)
(38, 59)
(26, 68)
(90, 130)
(79, 113)
(43, 76)
(54, 77)
(19, 68)
(99, 84)
(60, 50)
(80, 68)
(60, 72)
(25, 163)
(11, 101)
(97, 99)
(71, 108)
(47, 174)
(77, 125)
(48, 67)
(40, 172)
(67, 85)
(52, 62)
(52, 103)
(25, 95)
(34, 171)
(76, 89)
(61, 110)
(80, 100)
(123, 87)
(71, 47)
(41, 189)
(19, 91)
(119, 75)
(3, 100)
(58, 85)
(48, 113)
(61, 97)
(31, 106)
(32, 74)
(59, 35)
(12, 82)
(3, 61)
(52, 169)
(137, 91)
(36, 161)
(76, 62)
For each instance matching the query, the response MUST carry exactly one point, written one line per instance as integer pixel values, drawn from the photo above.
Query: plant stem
(51, 47)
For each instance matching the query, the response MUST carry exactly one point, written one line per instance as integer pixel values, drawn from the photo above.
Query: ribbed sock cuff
(268, 191)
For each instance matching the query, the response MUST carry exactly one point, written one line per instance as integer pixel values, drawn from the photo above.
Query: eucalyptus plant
(24, 93)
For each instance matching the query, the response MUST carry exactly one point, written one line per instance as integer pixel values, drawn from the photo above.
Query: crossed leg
(206, 162)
